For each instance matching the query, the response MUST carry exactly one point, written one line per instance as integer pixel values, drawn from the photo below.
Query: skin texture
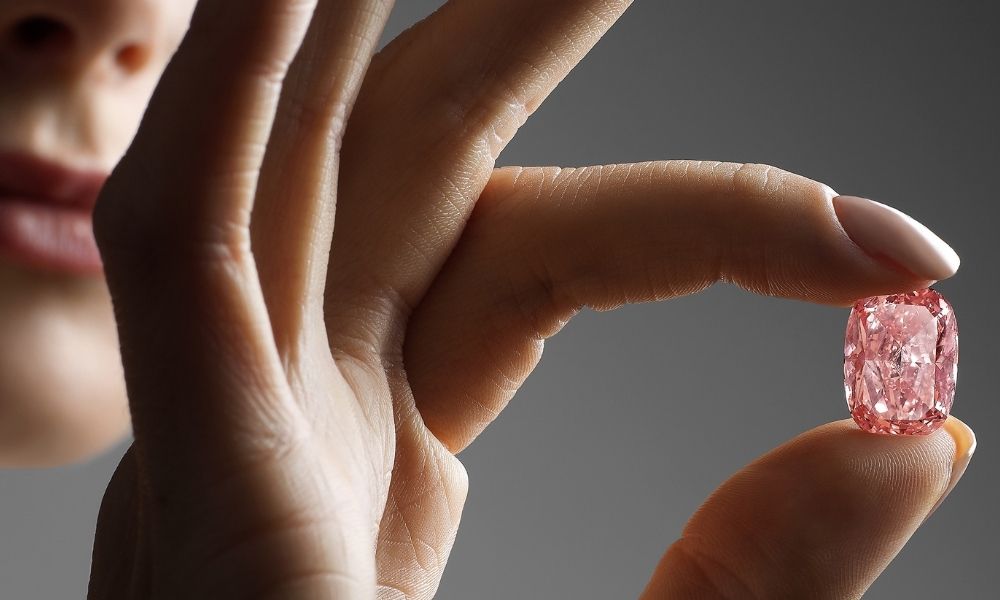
(324, 290)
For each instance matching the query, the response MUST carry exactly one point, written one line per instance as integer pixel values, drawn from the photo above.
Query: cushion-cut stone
(901, 362)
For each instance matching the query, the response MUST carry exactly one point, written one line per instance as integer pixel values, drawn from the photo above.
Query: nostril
(41, 33)
(132, 57)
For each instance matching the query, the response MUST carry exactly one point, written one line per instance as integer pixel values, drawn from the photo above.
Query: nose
(81, 35)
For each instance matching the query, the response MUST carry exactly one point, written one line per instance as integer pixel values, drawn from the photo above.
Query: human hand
(296, 410)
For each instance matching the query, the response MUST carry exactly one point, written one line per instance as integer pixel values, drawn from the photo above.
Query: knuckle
(759, 180)
(767, 182)
(482, 118)
(481, 105)
(127, 246)
(714, 174)
(134, 231)
(329, 117)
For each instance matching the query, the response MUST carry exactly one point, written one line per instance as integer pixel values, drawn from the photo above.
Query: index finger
(542, 243)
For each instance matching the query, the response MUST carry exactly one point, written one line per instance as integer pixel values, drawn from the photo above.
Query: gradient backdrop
(633, 417)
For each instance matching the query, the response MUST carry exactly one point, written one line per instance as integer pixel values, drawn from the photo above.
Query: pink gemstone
(901, 362)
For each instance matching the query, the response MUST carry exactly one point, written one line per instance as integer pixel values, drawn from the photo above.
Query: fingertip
(963, 436)
(941, 457)
(914, 468)
(894, 238)
(905, 470)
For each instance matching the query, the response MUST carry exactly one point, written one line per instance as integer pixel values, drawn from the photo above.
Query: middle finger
(436, 109)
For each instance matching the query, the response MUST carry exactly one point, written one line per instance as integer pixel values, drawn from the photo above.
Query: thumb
(819, 517)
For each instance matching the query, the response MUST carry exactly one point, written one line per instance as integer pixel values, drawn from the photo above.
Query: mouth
(46, 214)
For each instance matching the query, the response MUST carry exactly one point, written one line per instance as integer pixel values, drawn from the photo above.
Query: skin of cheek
(62, 393)
(62, 396)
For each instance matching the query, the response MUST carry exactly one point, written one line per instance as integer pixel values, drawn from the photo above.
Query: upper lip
(37, 179)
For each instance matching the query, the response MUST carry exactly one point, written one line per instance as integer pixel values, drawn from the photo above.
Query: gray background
(633, 417)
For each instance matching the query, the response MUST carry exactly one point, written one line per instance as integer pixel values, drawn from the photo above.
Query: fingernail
(893, 237)
(965, 445)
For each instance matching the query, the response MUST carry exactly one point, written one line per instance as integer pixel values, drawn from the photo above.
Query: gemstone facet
(901, 362)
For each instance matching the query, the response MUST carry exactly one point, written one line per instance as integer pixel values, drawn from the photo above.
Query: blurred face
(75, 77)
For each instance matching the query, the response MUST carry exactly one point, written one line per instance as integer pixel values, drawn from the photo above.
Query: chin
(62, 394)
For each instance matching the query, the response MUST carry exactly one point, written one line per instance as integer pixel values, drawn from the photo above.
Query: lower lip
(48, 236)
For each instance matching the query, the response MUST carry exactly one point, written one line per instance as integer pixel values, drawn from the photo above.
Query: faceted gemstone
(901, 362)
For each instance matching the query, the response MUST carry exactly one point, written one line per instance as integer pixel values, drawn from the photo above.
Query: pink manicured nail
(893, 237)
(965, 446)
